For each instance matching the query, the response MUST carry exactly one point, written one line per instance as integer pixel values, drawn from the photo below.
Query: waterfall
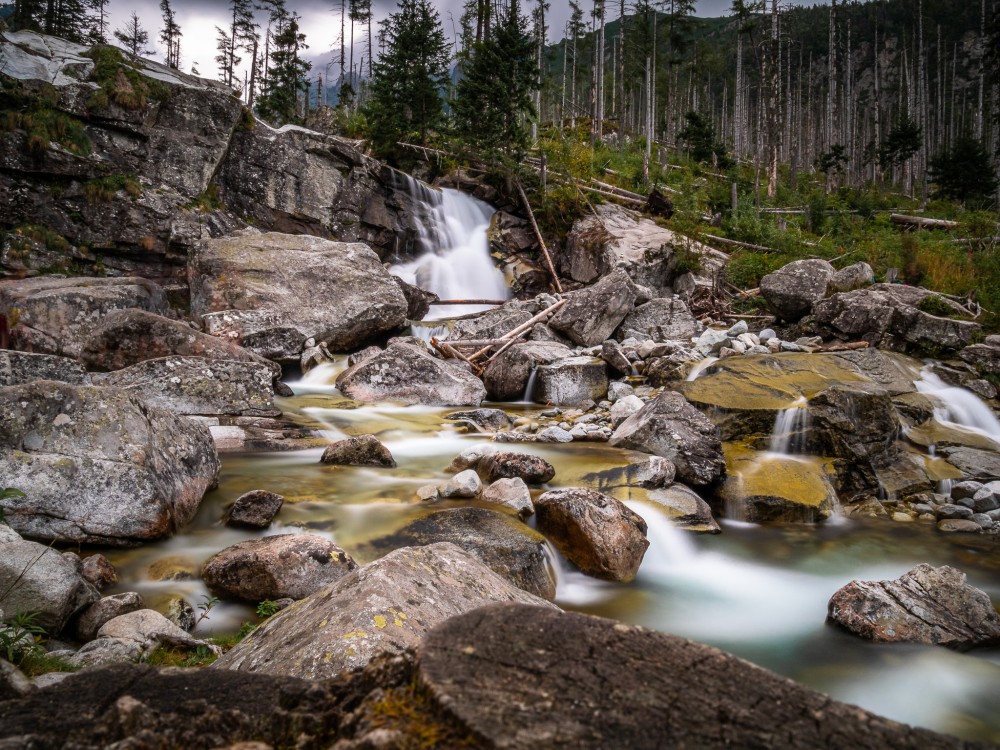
(959, 407)
(529, 388)
(789, 434)
(700, 367)
(455, 261)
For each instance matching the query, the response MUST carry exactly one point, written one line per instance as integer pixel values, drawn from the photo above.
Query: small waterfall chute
(959, 407)
(790, 426)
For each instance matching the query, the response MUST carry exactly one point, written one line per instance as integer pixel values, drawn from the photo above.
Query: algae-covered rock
(385, 606)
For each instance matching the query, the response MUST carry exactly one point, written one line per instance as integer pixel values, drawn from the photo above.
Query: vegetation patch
(120, 83)
(105, 189)
(35, 113)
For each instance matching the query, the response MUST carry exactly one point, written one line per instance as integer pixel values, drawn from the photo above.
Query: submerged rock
(670, 427)
(595, 532)
(410, 375)
(510, 549)
(361, 450)
(253, 510)
(98, 465)
(925, 605)
(257, 289)
(274, 567)
(386, 606)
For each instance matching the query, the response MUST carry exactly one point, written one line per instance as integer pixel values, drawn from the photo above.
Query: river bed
(758, 592)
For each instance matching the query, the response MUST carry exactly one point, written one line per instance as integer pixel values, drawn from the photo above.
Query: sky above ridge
(198, 19)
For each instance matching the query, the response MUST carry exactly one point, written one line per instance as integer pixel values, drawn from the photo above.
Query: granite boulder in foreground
(502, 676)
(925, 605)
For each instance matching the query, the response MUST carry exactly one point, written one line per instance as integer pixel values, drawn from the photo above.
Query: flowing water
(959, 407)
(759, 592)
(790, 428)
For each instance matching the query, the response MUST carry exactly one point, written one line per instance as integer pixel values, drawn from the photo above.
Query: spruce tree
(170, 35)
(493, 100)
(133, 37)
(964, 173)
(408, 76)
(286, 70)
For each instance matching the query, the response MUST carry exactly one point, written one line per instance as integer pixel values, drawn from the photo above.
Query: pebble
(766, 334)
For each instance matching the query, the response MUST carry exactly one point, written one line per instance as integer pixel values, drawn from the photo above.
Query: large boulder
(35, 578)
(409, 374)
(594, 531)
(491, 324)
(570, 381)
(276, 567)
(791, 291)
(127, 337)
(199, 386)
(21, 367)
(925, 605)
(522, 677)
(591, 315)
(385, 606)
(99, 465)
(508, 374)
(510, 549)
(270, 292)
(50, 315)
(670, 427)
(985, 357)
(661, 319)
(854, 421)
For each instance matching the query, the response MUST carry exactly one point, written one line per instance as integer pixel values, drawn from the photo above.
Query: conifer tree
(170, 35)
(964, 173)
(408, 76)
(286, 70)
(240, 36)
(133, 37)
(493, 101)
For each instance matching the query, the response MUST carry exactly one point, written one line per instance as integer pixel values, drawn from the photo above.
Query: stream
(760, 592)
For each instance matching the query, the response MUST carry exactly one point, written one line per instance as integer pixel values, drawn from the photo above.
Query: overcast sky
(198, 19)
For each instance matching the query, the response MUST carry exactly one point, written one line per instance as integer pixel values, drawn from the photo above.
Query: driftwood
(919, 222)
(737, 243)
(470, 302)
(845, 347)
(538, 235)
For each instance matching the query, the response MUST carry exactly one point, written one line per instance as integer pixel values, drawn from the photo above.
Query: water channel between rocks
(760, 592)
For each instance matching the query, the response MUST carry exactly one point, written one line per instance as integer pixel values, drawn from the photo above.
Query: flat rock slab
(523, 677)
(925, 605)
(21, 367)
(387, 605)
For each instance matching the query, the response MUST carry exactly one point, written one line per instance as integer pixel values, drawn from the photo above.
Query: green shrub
(104, 189)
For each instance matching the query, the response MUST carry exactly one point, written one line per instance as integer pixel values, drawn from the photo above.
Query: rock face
(595, 532)
(591, 315)
(20, 367)
(253, 510)
(791, 291)
(926, 605)
(505, 545)
(275, 567)
(507, 376)
(361, 450)
(596, 683)
(670, 427)
(409, 374)
(50, 315)
(257, 289)
(34, 578)
(856, 421)
(571, 381)
(199, 386)
(99, 465)
(662, 319)
(127, 337)
(385, 606)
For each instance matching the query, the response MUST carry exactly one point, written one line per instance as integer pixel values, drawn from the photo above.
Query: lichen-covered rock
(661, 319)
(855, 276)
(508, 374)
(510, 549)
(670, 427)
(50, 315)
(253, 510)
(791, 291)
(592, 314)
(594, 531)
(410, 375)
(507, 465)
(491, 324)
(571, 381)
(199, 386)
(98, 465)
(34, 578)
(360, 450)
(925, 605)
(385, 606)
(274, 567)
(21, 367)
(127, 337)
(255, 288)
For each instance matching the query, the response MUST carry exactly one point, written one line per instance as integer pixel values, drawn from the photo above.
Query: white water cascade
(455, 262)
(790, 426)
(959, 407)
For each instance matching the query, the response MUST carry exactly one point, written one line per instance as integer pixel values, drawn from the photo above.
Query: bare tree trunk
(876, 166)
(773, 105)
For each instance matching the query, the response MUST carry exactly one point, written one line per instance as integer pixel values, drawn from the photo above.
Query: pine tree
(408, 76)
(493, 100)
(133, 37)
(98, 32)
(170, 35)
(240, 36)
(286, 70)
(964, 173)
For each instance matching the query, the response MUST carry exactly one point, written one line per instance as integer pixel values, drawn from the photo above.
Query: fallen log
(471, 302)
(919, 222)
(538, 236)
(737, 243)
(846, 347)
(523, 328)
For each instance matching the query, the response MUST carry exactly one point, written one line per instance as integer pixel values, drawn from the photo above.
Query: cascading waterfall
(959, 407)
(789, 434)
(455, 262)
